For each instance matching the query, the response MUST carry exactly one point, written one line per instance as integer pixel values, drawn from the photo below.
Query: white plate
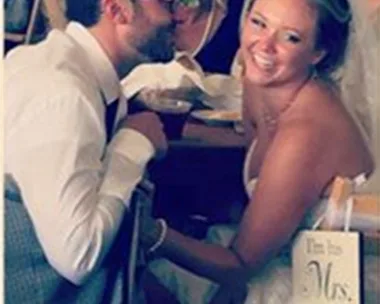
(168, 105)
(217, 116)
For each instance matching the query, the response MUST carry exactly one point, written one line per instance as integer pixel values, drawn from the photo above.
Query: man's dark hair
(86, 12)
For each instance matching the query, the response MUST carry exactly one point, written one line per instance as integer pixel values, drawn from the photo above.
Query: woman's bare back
(318, 109)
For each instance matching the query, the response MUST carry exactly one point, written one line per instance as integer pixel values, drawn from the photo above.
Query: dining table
(199, 182)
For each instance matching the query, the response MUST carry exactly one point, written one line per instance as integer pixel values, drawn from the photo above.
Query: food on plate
(217, 117)
(225, 115)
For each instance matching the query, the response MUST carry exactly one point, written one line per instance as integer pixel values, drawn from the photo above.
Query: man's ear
(318, 56)
(117, 10)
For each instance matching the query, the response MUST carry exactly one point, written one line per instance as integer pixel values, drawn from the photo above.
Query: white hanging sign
(326, 268)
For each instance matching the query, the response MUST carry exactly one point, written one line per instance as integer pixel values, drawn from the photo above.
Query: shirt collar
(104, 70)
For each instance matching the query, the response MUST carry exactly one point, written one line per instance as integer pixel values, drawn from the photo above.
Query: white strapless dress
(273, 285)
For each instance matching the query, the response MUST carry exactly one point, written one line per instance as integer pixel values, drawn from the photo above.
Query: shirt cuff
(125, 161)
(133, 145)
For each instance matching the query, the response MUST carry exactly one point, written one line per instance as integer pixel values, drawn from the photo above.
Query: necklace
(270, 119)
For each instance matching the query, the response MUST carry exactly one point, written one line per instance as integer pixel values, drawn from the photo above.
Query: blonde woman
(302, 135)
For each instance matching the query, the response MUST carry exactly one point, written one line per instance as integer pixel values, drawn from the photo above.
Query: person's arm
(75, 199)
(292, 177)
(294, 173)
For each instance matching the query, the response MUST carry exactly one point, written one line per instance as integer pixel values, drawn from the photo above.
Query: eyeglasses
(188, 3)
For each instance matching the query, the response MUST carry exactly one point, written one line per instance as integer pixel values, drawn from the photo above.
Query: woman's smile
(264, 61)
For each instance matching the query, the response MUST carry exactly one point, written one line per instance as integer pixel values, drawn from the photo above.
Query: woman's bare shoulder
(319, 93)
(322, 125)
(320, 107)
(313, 104)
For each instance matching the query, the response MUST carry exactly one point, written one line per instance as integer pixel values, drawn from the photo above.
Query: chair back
(141, 203)
(365, 209)
(28, 21)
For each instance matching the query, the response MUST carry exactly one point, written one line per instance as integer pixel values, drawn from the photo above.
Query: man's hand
(148, 124)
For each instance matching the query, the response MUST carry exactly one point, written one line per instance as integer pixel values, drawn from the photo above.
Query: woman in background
(301, 135)
(209, 31)
(206, 39)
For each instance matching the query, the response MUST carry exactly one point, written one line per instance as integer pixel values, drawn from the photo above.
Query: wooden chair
(141, 203)
(27, 36)
(53, 10)
(364, 205)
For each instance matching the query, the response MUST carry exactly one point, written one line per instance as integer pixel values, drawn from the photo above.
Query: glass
(173, 114)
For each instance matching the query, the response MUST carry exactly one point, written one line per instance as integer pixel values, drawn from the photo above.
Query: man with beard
(73, 157)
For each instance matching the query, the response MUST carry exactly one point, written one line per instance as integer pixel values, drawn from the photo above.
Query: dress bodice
(249, 183)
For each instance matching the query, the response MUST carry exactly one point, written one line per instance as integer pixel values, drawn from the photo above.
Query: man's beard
(160, 46)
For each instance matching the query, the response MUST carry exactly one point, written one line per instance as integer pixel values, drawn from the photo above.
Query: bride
(307, 121)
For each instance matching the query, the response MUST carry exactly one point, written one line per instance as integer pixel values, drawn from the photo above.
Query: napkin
(217, 91)
(182, 72)
(222, 92)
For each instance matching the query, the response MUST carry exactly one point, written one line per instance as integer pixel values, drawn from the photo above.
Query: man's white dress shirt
(75, 188)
